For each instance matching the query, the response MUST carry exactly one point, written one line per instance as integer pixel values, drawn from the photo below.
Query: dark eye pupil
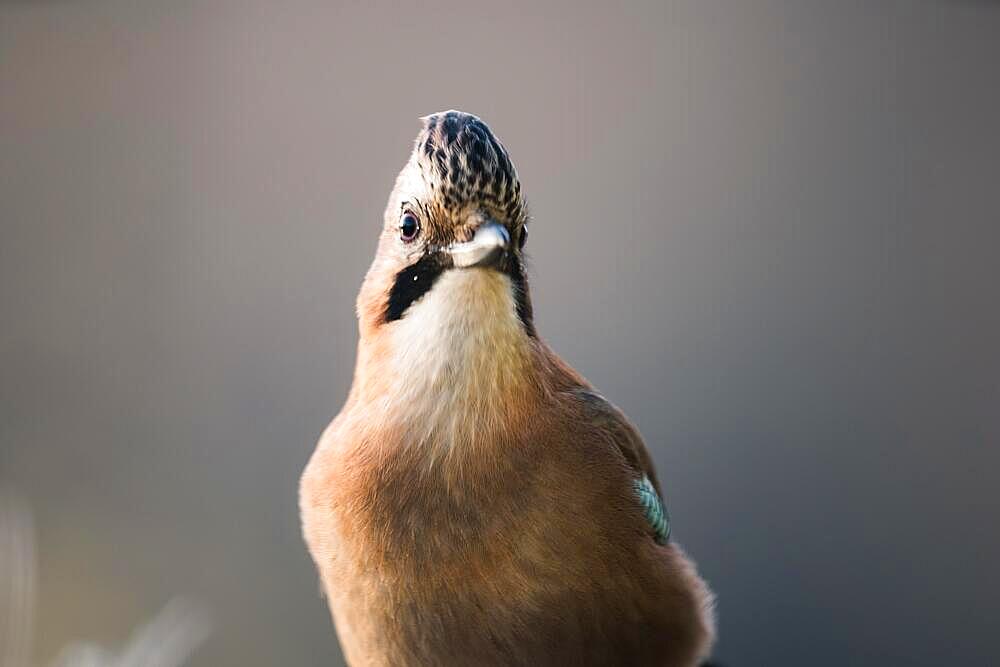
(409, 227)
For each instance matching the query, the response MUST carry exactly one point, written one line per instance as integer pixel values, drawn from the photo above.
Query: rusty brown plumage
(472, 503)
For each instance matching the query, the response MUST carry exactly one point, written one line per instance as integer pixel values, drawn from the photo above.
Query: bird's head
(455, 227)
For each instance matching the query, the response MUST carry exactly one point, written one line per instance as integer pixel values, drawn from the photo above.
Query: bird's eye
(523, 238)
(409, 227)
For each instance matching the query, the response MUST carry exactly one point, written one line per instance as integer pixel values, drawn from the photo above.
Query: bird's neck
(458, 367)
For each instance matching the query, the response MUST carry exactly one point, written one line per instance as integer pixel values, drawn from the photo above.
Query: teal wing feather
(617, 430)
(656, 513)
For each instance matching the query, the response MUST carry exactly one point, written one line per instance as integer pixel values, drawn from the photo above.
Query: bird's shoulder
(609, 428)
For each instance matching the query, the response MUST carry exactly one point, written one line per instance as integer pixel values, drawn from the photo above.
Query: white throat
(458, 355)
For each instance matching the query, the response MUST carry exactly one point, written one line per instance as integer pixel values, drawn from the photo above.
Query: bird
(476, 501)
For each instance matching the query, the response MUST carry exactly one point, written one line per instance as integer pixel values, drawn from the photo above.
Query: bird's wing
(615, 428)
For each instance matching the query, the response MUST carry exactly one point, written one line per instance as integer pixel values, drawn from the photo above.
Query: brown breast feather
(524, 547)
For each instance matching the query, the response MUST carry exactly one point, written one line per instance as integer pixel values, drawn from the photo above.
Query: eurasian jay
(476, 501)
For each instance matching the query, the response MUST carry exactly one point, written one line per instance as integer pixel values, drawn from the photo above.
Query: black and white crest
(464, 163)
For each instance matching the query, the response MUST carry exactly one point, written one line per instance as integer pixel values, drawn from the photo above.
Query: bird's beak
(485, 248)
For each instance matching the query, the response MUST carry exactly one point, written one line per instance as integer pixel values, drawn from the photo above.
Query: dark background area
(767, 230)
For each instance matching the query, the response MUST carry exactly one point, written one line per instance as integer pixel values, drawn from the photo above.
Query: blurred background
(767, 230)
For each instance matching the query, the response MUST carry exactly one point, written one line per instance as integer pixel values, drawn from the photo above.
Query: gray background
(768, 231)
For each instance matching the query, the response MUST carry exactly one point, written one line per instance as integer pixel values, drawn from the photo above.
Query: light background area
(769, 231)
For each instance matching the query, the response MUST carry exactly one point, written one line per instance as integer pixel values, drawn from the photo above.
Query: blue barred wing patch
(652, 506)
